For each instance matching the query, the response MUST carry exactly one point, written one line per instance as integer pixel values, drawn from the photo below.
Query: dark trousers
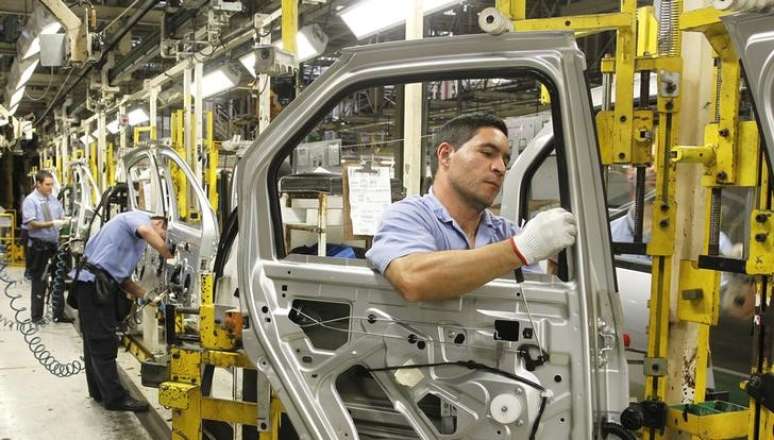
(40, 254)
(100, 345)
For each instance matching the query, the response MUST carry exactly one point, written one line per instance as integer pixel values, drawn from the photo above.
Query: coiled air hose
(29, 331)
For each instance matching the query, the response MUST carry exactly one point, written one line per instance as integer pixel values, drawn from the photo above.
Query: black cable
(617, 430)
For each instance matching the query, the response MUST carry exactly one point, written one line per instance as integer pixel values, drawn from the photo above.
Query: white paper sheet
(369, 196)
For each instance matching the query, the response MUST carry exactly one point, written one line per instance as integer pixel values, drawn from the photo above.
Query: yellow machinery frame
(15, 250)
(622, 141)
(219, 341)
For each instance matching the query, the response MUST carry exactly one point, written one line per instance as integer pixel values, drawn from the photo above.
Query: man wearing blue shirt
(113, 254)
(42, 216)
(446, 243)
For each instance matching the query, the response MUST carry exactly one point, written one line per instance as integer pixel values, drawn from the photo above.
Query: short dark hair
(160, 217)
(461, 129)
(42, 175)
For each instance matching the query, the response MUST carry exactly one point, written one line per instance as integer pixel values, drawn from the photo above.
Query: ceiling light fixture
(217, 81)
(86, 139)
(137, 116)
(371, 16)
(112, 127)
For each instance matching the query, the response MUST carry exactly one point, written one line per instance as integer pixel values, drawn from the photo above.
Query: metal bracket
(263, 423)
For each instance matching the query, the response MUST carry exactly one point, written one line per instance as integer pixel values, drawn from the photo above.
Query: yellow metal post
(289, 25)
(212, 163)
(111, 165)
(93, 160)
(178, 178)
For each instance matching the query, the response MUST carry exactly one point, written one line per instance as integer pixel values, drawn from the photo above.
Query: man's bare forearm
(34, 224)
(133, 289)
(434, 276)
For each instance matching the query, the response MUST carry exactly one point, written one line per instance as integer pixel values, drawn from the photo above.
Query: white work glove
(545, 235)
(58, 223)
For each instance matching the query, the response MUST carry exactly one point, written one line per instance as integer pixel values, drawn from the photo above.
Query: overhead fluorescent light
(136, 116)
(371, 16)
(217, 81)
(33, 49)
(112, 127)
(17, 96)
(311, 41)
(34, 46)
(51, 28)
(27, 73)
(248, 61)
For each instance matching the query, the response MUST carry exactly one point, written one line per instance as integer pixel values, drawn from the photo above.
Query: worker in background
(43, 216)
(102, 286)
(446, 243)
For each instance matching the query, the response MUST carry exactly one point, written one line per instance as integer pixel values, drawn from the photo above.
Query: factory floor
(35, 404)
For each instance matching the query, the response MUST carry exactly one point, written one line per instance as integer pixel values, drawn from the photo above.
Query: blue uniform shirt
(422, 224)
(37, 207)
(117, 248)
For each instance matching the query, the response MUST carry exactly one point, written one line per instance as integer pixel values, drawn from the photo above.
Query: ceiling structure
(137, 55)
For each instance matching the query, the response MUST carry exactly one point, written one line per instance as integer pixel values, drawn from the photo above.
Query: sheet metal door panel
(195, 243)
(578, 321)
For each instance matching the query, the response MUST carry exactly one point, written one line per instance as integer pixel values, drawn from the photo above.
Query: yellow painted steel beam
(212, 163)
(178, 178)
(229, 411)
(289, 25)
(647, 32)
(227, 359)
(706, 421)
(579, 23)
(661, 247)
(111, 165)
(514, 9)
(135, 347)
(93, 160)
(699, 20)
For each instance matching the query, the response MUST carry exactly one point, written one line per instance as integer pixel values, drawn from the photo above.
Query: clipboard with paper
(367, 195)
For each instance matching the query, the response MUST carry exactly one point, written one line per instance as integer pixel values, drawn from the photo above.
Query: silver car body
(579, 322)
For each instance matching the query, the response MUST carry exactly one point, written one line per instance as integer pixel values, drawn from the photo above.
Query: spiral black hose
(58, 278)
(29, 330)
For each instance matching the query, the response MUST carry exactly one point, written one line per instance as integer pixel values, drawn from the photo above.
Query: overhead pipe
(112, 42)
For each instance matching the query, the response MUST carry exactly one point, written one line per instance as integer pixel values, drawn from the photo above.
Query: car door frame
(555, 57)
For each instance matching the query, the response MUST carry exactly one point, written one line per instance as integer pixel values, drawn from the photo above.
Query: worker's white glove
(545, 235)
(58, 223)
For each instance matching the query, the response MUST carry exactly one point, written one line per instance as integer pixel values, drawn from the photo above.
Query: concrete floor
(37, 405)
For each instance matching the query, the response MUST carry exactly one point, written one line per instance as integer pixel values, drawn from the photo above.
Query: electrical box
(273, 61)
(53, 50)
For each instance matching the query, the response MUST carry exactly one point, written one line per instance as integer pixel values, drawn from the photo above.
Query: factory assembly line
(362, 219)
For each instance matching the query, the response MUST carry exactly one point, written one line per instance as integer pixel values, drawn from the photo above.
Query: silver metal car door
(579, 320)
(753, 36)
(195, 242)
(145, 194)
(143, 181)
(85, 195)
